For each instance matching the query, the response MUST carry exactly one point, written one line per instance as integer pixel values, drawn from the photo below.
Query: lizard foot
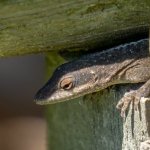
(145, 145)
(126, 100)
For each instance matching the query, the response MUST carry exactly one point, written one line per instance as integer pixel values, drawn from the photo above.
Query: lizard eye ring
(66, 83)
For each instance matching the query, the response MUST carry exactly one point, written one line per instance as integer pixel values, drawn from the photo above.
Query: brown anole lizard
(127, 63)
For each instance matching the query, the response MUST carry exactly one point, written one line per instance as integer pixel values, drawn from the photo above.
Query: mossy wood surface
(89, 123)
(33, 26)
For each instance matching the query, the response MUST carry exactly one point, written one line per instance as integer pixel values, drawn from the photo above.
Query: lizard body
(127, 63)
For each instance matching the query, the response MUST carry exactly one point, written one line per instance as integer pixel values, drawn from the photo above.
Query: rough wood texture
(89, 124)
(93, 123)
(136, 126)
(33, 26)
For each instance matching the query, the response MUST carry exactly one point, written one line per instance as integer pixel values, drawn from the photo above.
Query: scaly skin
(128, 63)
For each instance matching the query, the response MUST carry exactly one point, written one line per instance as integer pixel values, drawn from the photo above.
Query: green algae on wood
(31, 26)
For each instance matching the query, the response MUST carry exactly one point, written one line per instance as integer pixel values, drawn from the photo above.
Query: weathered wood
(136, 126)
(91, 123)
(31, 26)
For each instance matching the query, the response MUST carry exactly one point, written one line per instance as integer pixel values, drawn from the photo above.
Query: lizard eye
(66, 83)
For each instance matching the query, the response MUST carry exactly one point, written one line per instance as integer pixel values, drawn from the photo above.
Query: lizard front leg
(135, 96)
(135, 75)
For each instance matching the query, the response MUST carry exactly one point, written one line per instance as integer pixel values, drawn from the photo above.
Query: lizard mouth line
(46, 101)
(53, 101)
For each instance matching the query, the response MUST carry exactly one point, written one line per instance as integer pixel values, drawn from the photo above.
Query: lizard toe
(136, 102)
(125, 101)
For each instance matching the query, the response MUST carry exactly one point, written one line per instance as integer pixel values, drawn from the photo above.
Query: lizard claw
(126, 100)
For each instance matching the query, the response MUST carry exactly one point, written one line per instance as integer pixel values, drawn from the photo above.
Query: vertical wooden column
(136, 126)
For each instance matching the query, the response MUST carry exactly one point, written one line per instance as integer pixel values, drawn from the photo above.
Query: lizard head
(66, 83)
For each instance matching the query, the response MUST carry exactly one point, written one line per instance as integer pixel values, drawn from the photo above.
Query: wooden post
(30, 26)
(136, 126)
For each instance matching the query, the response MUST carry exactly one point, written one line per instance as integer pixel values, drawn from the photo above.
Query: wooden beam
(30, 26)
